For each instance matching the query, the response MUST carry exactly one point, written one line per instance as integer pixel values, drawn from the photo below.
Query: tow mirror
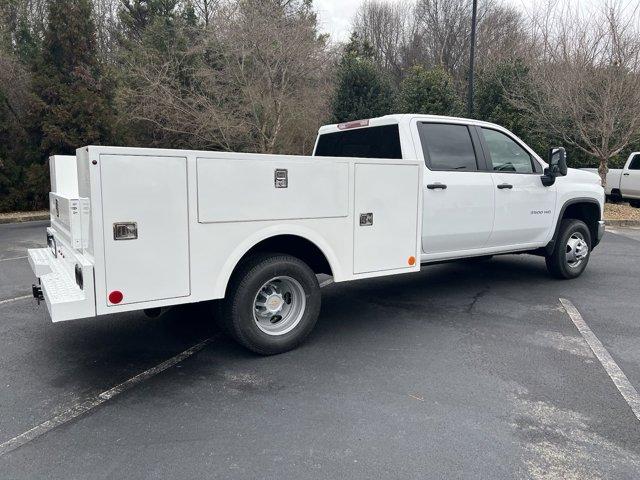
(558, 161)
(557, 166)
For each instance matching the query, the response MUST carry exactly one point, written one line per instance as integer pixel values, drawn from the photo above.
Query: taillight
(115, 297)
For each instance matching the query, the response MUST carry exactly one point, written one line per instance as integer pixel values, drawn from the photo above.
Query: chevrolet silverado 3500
(143, 229)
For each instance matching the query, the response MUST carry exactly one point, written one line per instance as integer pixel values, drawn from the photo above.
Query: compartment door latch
(366, 219)
(125, 231)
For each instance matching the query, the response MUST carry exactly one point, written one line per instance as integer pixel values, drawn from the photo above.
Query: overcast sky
(336, 15)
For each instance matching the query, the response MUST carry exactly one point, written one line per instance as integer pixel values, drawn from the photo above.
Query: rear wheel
(272, 304)
(634, 203)
(572, 250)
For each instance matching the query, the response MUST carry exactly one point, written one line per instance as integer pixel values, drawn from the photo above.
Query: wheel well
(298, 247)
(588, 212)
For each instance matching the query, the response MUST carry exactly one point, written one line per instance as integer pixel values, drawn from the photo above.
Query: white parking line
(620, 380)
(12, 258)
(9, 300)
(82, 408)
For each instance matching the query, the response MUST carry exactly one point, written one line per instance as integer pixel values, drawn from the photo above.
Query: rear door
(149, 195)
(524, 208)
(630, 183)
(458, 199)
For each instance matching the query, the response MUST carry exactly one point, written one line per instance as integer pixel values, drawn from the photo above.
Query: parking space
(465, 370)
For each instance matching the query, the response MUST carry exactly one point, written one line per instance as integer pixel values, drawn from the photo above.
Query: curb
(622, 223)
(25, 217)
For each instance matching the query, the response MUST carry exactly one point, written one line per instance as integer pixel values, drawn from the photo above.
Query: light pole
(472, 57)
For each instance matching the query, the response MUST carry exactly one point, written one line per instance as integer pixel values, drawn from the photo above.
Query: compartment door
(150, 192)
(386, 217)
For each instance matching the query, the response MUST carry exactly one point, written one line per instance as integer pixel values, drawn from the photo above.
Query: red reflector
(115, 297)
(412, 261)
(356, 124)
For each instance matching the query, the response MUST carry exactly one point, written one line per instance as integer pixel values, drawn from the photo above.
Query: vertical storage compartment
(145, 204)
(386, 218)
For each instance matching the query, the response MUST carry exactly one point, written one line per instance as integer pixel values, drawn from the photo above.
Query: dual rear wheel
(273, 303)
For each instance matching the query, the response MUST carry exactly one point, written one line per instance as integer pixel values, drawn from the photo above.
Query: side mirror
(558, 161)
(557, 166)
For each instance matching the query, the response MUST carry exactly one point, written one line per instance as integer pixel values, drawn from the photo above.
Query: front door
(458, 196)
(524, 208)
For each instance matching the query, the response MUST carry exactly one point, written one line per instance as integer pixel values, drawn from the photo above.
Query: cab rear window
(372, 142)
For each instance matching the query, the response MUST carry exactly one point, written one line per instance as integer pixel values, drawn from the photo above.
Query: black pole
(472, 57)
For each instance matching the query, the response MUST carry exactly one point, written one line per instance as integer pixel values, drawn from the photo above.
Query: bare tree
(106, 19)
(587, 75)
(205, 9)
(271, 66)
(257, 80)
(501, 36)
(22, 16)
(437, 33)
(388, 29)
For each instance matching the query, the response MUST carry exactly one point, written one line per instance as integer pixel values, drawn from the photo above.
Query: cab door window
(447, 147)
(506, 156)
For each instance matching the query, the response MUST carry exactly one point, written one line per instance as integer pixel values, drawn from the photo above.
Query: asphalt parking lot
(460, 371)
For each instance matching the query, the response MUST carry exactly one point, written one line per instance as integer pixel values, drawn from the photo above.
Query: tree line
(260, 76)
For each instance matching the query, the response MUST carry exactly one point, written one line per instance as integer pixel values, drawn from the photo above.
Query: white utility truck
(624, 184)
(144, 229)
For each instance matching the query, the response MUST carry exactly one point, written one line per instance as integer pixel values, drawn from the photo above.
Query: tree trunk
(603, 169)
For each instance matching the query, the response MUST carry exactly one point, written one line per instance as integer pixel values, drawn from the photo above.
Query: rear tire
(634, 203)
(572, 250)
(272, 303)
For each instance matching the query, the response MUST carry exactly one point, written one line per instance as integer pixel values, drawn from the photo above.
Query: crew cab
(145, 229)
(624, 184)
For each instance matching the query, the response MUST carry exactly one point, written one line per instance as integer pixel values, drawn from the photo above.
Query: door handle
(626, 174)
(435, 186)
(505, 186)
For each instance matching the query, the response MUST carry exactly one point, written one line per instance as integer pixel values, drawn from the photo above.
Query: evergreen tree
(74, 99)
(428, 92)
(362, 90)
(150, 23)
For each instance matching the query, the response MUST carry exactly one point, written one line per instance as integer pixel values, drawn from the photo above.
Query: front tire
(572, 250)
(272, 304)
(634, 203)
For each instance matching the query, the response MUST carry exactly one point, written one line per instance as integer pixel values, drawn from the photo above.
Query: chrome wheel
(577, 250)
(279, 305)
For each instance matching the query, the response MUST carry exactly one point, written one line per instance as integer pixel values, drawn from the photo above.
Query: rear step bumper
(65, 300)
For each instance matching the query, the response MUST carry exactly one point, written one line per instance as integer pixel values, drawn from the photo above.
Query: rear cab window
(370, 142)
(448, 147)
